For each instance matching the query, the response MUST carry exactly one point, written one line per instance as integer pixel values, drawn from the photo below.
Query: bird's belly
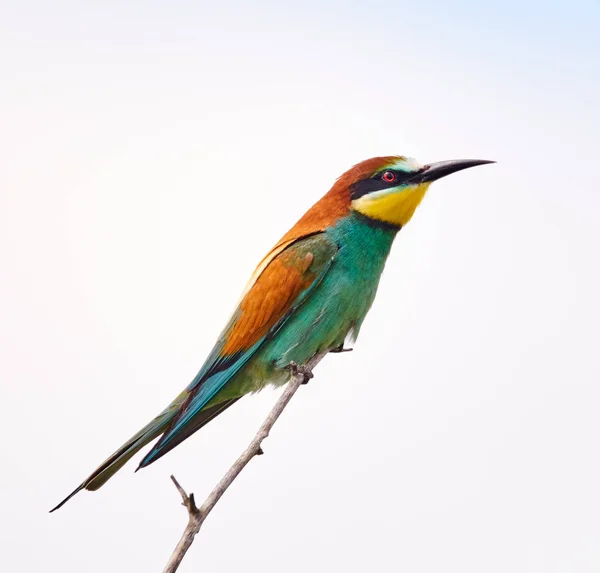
(336, 309)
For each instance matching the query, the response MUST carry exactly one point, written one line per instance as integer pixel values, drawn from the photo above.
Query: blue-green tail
(115, 462)
(161, 425)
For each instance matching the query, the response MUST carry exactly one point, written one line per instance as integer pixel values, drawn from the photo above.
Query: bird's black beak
(440, 169)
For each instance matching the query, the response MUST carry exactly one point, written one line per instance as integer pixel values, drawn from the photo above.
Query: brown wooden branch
(300, 375)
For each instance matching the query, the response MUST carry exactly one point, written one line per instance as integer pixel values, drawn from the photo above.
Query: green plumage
(347, 261)
(334, 309)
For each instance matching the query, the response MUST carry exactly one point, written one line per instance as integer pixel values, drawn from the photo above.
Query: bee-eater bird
(308, 296)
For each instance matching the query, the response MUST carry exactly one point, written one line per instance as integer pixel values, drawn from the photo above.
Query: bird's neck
(366, 238)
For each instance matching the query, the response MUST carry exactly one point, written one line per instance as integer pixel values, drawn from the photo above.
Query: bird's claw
(341, 348)
(296, 369)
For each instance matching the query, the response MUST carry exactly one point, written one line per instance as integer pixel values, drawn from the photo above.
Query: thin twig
(300, 375)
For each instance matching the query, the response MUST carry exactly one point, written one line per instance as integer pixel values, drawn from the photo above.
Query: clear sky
(152, 152)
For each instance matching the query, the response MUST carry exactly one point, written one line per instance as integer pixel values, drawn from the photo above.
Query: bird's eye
(388, 176)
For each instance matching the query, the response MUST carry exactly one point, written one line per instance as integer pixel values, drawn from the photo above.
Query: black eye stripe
(376, 183)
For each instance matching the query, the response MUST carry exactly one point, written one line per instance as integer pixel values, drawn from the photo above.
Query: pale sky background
(152, 152)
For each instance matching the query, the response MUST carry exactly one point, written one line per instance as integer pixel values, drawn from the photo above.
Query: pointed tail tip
(141, 466)
(147, 459)
(67, 498)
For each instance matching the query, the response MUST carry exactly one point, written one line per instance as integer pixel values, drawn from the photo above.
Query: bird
(308, 296)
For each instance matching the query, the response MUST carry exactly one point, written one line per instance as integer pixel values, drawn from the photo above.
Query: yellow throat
(395, 206)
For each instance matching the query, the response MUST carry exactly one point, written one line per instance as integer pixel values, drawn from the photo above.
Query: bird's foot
(341, 348)
(296, 369)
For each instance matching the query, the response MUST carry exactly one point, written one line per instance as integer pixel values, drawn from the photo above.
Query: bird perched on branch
(309, 295)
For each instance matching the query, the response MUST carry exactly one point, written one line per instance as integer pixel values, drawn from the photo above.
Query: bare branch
(300, 375)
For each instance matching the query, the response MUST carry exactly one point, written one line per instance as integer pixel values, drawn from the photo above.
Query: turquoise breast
(334, 309)
(338, 306)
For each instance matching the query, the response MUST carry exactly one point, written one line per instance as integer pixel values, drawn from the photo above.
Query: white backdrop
(153, 152)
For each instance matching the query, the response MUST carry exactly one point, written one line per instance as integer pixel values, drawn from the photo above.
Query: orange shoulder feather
(268, 300)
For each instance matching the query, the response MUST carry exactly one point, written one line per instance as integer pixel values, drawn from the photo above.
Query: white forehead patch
(407, 164)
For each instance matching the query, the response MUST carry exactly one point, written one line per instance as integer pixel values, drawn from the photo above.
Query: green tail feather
(158, 426)
(115, 462)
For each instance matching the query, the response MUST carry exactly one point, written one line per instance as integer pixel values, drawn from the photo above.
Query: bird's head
(389, 189)
(384, 189)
